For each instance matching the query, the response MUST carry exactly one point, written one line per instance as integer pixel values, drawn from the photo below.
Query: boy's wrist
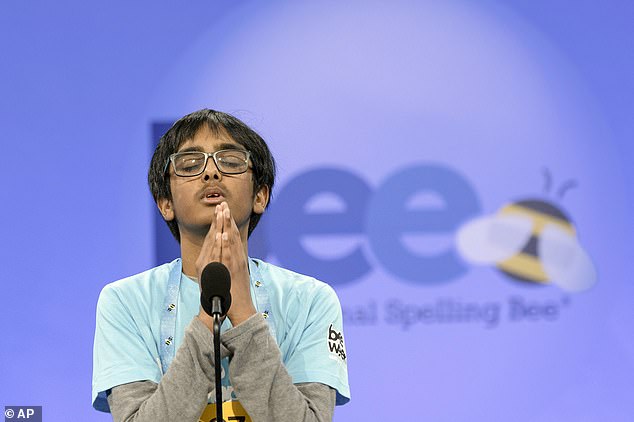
(238, 318)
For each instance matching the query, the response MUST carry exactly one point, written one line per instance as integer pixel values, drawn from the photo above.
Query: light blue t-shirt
(305, 314)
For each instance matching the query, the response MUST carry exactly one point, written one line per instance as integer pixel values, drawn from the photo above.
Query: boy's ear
(165, 207)
(261, 200)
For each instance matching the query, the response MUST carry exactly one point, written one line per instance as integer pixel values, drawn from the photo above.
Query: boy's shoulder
(144, 284)
(289, 282)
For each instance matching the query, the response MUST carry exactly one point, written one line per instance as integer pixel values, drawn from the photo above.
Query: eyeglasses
(228, 161)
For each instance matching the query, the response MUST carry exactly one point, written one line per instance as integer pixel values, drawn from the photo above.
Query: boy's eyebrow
(190, 149)
(226, 145)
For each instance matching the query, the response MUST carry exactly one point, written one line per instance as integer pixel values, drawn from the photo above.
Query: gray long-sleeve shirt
(258, 377)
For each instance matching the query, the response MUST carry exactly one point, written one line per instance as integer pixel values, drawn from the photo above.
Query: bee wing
(564, 260)
(493, 238)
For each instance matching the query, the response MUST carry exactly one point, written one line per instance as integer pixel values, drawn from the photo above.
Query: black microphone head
(215, 281)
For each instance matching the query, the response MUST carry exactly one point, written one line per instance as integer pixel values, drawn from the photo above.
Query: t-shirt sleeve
(320, 354)
(121, 351)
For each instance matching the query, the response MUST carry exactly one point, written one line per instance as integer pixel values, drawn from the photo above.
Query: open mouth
(212, 195)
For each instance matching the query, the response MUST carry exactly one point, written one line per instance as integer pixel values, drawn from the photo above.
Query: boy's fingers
(227, 255)
(219, 219)
(210, 238)
(216, 253)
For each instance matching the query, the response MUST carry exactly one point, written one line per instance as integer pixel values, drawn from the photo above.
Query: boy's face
(194, 199)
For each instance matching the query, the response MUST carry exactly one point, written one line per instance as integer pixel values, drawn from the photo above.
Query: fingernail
(225, 236)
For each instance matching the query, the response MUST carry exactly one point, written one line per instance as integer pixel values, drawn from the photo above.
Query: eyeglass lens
(227, 161)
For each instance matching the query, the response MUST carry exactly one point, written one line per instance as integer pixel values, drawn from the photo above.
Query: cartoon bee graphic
(530, 240)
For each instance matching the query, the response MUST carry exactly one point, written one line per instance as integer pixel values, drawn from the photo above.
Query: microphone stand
(216, 311)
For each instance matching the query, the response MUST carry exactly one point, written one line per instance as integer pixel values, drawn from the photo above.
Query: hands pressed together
(223, 244)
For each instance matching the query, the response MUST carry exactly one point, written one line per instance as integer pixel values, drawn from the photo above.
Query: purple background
(490, 92)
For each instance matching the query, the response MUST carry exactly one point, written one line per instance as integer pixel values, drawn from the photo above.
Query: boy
(282, 343)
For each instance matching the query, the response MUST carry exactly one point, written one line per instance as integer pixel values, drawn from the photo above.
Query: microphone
(215, 297)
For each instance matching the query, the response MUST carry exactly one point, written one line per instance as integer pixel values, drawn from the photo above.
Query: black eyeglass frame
(213, 155)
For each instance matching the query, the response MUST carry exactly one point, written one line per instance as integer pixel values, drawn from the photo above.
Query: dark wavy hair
(218, 123)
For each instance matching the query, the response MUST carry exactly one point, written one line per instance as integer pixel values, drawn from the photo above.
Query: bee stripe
(524, 266)
(539, 219)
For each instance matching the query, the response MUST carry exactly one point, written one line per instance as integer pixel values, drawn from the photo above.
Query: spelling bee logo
(531, 240)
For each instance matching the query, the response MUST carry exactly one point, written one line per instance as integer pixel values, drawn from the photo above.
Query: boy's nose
(211, 171)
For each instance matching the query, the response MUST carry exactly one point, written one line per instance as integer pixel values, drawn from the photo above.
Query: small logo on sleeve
(335, 343)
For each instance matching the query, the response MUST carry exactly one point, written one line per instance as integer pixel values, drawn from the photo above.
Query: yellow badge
(231, 411)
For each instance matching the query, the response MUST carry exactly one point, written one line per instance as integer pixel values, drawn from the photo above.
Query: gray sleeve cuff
(204, 340)
(239, 335)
